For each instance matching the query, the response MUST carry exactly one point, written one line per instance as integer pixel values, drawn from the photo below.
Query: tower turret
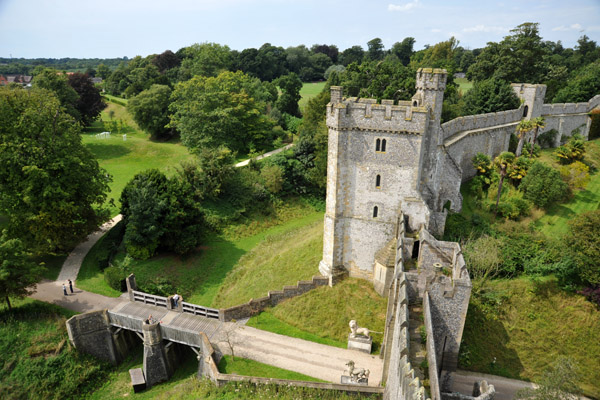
(431, 83)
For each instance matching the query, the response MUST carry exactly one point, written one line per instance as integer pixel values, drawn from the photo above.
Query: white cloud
(404, 7)
(485, 28)
(573, 27)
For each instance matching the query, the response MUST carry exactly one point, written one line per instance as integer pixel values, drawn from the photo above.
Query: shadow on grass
(106, 151)
(483, 347)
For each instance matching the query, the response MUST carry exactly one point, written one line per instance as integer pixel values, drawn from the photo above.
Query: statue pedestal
(347, 380)
(360, 343)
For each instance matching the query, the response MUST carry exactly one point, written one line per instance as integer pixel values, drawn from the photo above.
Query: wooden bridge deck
(176, 327)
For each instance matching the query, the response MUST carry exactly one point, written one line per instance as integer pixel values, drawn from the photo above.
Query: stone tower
(379, 155)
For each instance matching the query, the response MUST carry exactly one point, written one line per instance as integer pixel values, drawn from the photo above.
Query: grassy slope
(280, 259)
(531, 326)
(200, 275)
(554, 222)
(325, 312)
(309, 90)
(123, 159)
(37, 360)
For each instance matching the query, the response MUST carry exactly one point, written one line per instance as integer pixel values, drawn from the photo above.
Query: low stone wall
(432, 353)
(207, 367)
(255, 306)
(486, 392)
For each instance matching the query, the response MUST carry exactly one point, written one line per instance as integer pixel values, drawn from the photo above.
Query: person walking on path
(175, 299)
(71, 285)
(65, 290)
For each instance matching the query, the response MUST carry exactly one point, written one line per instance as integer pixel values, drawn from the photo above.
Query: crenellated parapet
(570, 108)
(367, 115)
(481, 121)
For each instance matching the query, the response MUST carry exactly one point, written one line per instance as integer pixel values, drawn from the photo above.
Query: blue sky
(117, 28)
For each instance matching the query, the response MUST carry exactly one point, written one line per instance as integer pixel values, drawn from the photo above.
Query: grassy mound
(37, 360)
(308, 91)
(278, 260)
(325, 313)
(200, 275)
(520, 326)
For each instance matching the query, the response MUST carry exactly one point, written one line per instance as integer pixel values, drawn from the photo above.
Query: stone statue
(357, 331)
(357, 375)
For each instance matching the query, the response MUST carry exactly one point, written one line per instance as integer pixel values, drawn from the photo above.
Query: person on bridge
(71, 285)
(175, 299)
(65, 290)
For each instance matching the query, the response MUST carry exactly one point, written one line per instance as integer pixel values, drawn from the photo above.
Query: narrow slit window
(375, 211)
(383, 145)
(377, 144)
(378, 181)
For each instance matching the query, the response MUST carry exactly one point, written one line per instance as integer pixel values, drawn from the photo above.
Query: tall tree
(490, 95)
(90, 103)
(404, 50)
(206, 59)
(57, 82)
(351, 55)
(53, 190)
(225, 110)
(150, 110)
(519, 57)
(502, 162)
(538, 123)
(18, 274)
(290, 86)
(524, 127)
(375, 49)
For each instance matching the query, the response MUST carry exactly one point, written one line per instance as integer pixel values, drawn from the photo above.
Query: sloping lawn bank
(520, 326)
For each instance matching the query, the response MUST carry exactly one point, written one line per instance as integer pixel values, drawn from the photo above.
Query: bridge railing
(146, 298)
(200, 310)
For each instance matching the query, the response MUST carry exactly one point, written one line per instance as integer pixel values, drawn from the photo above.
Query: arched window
(525, 111)
(383, 145)
(415, 103)
(378, 181)
(377, 144)
(375, 211)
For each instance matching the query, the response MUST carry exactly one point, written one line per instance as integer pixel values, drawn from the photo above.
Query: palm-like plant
(502, 162)
(537, 123)
(522, 129)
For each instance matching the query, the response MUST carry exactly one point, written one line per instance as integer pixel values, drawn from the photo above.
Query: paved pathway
(265, 155)
(462, 381)
(71, 266)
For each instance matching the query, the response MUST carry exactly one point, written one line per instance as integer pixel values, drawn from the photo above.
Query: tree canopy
(53, 190)
(224, 110)
(89, 103)
(150, 110)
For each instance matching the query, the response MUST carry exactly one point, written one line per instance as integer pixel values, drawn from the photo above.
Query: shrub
(576, 175)
(543, 185)
(159, 287)
(547, 138)
(583, 240)
(512, 203)
(459, 227)
(114, 277)
(592, 294)
(595, 126)
(573, 150)
(527, 150)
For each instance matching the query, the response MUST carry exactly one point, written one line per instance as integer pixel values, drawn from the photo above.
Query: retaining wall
(255, 306)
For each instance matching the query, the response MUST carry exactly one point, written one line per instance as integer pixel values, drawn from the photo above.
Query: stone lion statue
(358, 331)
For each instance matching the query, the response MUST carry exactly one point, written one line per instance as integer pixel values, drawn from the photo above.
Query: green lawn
(324, 313)
(199, 276)
(282, 258)
(37, 360)
(464, 84)
(524, 325)
(309, 90)
(123, 159)
(245, 367)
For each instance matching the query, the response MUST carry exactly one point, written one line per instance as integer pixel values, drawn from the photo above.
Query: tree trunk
(8, 303)
(520, 145)
(533, 143)
(502, 173)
